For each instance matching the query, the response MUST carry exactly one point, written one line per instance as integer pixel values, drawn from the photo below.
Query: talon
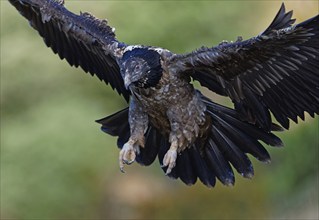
(169, 170)
(128, 162)
(121, 162)
(170, 160)
(127, 154)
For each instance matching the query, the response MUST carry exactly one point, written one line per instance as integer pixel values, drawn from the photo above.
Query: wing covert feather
(82, 40)
(277, 71)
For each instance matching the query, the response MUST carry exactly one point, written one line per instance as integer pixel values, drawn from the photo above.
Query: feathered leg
(138, 121)
(186, 124)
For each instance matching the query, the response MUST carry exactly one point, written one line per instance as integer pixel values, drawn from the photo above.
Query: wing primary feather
(281, 20)
(281, 55)
(82, 40)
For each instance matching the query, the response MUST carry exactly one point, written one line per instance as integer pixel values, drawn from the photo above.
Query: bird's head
(141, 67)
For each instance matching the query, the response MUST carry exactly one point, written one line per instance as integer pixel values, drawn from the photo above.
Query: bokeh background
(55, 162)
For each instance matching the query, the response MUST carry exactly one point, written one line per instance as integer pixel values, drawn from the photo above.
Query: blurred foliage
(55, 163)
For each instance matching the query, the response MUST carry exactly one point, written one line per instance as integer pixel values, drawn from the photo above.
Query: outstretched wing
(82, 40)
(277, 71)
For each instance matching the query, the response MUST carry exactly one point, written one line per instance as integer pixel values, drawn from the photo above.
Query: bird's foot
(169, 160)
(128, 154)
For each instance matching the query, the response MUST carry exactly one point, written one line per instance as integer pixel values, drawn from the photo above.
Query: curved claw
(169, 160)
(122, 168)
(128, 162)
(127, 155)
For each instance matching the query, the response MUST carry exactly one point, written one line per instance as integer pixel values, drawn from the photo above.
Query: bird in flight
(194, 138)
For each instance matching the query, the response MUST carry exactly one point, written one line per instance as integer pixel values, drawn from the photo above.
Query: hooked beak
(127, 81)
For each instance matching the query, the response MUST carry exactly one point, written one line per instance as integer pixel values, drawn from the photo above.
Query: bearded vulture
(194, 138)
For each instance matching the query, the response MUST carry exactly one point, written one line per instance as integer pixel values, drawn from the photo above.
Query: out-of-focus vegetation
(55, 162)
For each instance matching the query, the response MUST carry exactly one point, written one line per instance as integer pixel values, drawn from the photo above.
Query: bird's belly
(156, 104)
(178, 114)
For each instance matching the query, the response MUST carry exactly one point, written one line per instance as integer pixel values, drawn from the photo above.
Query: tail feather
(189, 166)
(116, 123)
(123, 137)
(249, 129)
(185, 168)
(149, 152)
(247, 144)
(233, 154)
(228, 143)
(216, 162)
(205, 174)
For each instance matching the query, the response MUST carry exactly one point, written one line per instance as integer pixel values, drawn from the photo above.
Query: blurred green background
(55, 162)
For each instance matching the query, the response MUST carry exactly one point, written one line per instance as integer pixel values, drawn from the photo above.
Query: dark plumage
(145, 61)
(194, 138)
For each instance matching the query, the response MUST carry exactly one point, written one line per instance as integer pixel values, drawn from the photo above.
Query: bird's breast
(170, 91)
(177, 101)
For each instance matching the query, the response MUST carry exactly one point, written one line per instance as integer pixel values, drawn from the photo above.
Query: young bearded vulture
(275, 72)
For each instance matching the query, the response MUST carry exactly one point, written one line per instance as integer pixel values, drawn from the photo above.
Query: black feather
(149, 152)
(152, 72)
(218, 164)
(82, 40)
(277, 71)
(185, 167)
(205, 175)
